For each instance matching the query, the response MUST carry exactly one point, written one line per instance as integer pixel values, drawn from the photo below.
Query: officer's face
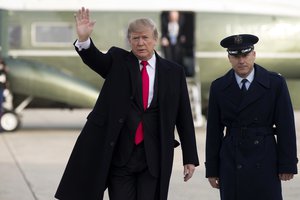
(142, 43)
(243, 64)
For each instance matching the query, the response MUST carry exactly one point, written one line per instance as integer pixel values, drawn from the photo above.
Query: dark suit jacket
(248, 159)
(87, 170)
(150, 118)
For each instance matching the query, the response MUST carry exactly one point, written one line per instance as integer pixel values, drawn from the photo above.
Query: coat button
(131, 97)
(239, 166)
(258, 165)
(121, 120)
(256, 142)
(111, 144)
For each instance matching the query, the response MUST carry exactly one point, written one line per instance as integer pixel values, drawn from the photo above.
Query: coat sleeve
(96, 60)
(285, 131)
(185, 126)
(214, 135)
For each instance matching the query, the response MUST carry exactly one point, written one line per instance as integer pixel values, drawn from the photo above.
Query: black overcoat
(241, 146)
(85, 177)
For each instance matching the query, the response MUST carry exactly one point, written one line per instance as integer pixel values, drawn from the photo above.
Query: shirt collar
(249, 78)
(151, 61)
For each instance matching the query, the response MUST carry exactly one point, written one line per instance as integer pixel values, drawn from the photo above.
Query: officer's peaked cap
(239, 44)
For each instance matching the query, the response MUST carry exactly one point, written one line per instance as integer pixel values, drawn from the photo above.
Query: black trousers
(133, 181)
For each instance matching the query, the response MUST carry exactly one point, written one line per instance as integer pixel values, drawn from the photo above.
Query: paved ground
(32, 160)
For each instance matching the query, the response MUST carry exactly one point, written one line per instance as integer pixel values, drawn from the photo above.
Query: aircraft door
(177, 40)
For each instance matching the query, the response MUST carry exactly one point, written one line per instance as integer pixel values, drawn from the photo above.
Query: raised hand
(84, 26)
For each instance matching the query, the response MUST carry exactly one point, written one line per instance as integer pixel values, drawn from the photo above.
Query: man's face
(243, 64)
(142, 43)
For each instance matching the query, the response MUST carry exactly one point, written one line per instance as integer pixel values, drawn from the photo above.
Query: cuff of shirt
(83, 45)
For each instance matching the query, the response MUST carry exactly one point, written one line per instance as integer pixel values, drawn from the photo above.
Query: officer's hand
(286, 177)
(214, 182)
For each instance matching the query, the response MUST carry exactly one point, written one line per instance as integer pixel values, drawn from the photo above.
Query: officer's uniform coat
(85, 177)
(248, 159)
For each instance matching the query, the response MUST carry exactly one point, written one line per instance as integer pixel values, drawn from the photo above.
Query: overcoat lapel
(257, 88)
(231, 90)
(155, 94)
(162, 71)
(135, 78)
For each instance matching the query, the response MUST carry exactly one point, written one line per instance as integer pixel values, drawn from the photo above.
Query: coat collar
(134, 72)
(162, 71)
(260, 77)
(258, 87)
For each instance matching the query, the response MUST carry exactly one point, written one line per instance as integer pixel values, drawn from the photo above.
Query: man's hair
(137, 24)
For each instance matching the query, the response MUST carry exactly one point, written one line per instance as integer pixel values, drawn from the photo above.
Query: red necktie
(139, 135)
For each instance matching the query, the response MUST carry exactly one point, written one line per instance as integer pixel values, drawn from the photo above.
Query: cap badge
(238, 39)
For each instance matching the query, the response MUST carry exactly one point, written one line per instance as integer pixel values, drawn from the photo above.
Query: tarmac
(32, 159)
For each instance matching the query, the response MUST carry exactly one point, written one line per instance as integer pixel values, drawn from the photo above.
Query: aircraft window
(52, 34)
(14, 34)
